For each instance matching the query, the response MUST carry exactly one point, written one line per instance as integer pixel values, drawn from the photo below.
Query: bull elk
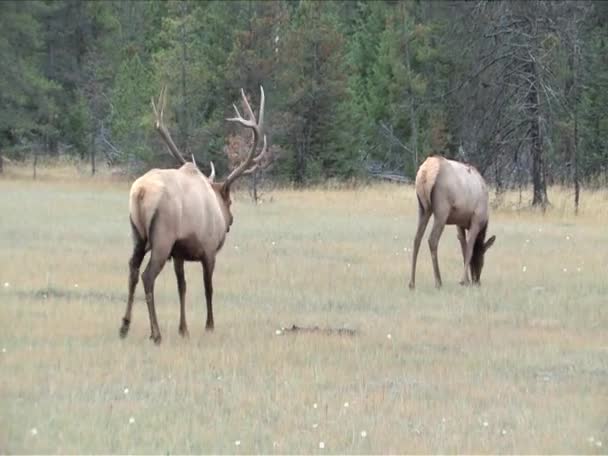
(455, 194)
(184, 215)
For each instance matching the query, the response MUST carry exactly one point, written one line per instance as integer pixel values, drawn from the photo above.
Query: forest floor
(518, 365)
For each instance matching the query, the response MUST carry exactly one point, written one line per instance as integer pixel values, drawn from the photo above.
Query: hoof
(184, 332)
(209, 327)
(156, 339)
(124, 329)
(465, 283)
(411, 286)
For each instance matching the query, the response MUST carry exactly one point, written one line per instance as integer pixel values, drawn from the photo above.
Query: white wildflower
(315, 425)
(3, 350)
(565, 269)
(75, 285)
(34, 431)
(598, 443)
(485, 424)
(6, 284)
(126, 391)
(567, 238)
(363, 434)
(321, 445)
(388, 336)
(237, 442)
(524, 269)
(346, 405)
(314, 405)
(503, 432)
(131, 420)
(278, 332)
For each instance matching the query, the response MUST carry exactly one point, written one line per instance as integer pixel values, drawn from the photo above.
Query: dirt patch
(294, 329)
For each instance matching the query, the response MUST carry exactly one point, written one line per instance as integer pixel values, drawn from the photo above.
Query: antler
(257, 128)
(160, 126)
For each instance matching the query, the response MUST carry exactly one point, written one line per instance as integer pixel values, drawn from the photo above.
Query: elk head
(251, 163)
(479, 251)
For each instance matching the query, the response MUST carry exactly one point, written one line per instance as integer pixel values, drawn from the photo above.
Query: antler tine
(256, 126)
(262, 154)
(247, 106)
(257, 161)
(212, 173)
(261, 113)
(160, 126)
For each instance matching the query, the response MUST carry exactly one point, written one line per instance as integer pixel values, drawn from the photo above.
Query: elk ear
(489, 243)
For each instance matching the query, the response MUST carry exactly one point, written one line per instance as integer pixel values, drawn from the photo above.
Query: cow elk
(184, 215)
(455, 194)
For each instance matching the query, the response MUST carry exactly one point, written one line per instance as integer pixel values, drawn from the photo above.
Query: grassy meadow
(519, 365)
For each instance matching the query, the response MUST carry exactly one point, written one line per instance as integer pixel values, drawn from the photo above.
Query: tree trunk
(412, 107)
(538, 172)
(185, 124)
(1, 164)
(93, 152)
(35, 163)
(577, 188)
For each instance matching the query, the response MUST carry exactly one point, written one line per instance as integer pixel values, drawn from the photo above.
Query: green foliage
(351, 86)
(130, 101)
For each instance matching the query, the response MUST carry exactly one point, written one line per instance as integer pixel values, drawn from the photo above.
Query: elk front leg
(423, 220)
(473, 232)
(208, 267)
(434, 237)
(139, 250)
(178, 265)
(155, 265)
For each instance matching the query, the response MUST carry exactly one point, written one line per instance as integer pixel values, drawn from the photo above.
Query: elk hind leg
(178, 265)
(423, 220)
(155, 265)
(462, 238)
(139, 251)
(208, 267)
(438, 225)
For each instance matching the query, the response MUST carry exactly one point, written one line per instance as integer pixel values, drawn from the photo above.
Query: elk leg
(473, 231)
(139, 250)
(208, 266)
(462, 238)
(178, 265)
(423, 220)
(438, 226)
(155, 265)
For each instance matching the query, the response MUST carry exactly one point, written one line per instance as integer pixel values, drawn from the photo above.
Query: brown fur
(455, 194)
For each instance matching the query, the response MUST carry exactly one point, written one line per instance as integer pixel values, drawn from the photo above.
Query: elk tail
(425, 181)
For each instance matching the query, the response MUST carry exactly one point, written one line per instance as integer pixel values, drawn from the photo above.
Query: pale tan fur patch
(425, 179)
(145, 194)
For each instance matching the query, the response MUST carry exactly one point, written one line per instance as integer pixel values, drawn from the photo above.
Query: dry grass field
(519, 365)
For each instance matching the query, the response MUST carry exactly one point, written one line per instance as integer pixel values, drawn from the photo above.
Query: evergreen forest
(355, 90)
